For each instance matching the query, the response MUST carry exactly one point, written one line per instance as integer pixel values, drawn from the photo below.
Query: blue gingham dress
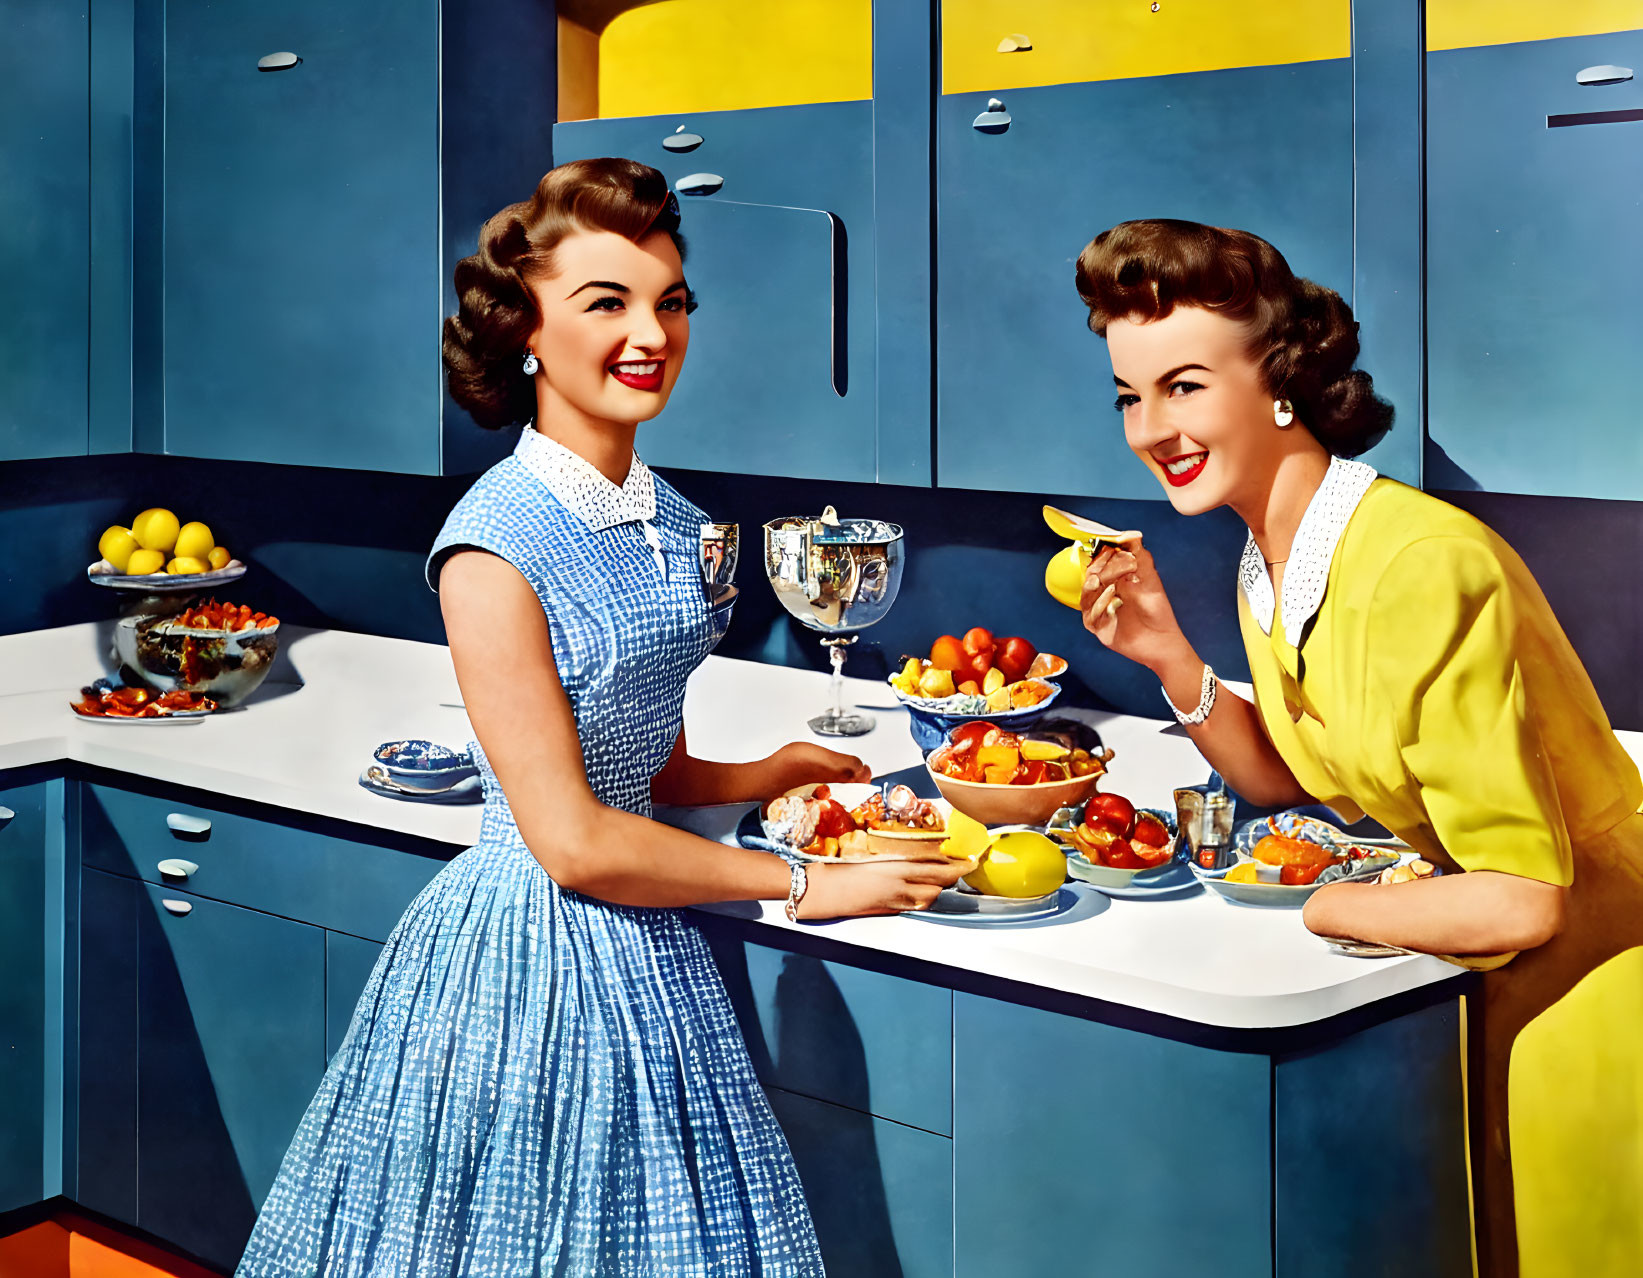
(536, 1082)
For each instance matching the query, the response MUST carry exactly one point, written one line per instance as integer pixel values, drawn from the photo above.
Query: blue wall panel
(44, 247)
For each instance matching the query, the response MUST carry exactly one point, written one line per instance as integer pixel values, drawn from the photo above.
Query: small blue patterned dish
(931, 726)
(424, 765)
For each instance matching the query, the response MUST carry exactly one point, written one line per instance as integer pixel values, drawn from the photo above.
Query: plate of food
(1005, 681)
(1122, 850)
(1283, 859)
(854, 822)
(108, 702)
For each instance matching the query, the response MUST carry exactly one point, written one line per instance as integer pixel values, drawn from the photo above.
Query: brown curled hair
(484, 342)
(1301, 334)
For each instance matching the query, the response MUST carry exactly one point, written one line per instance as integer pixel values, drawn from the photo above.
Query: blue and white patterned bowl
(424, 765)
(931, 721)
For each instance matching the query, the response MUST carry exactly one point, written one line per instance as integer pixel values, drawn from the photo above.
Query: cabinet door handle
(182, 823)
(698, 184)
(175, 906)
(1603, 75)
(177, 868)
(680, 142)
(995, 119)
(6, 815)
(278, 62)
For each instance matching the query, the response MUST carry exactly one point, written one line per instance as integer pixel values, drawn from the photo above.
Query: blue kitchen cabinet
(864, 1040)
(780, 375)
(1263, 149)
(305, 264)
(231, 1047)
(1535, 269)
(1081, 1147)
(106, 1090)
(45, 185)
(348, 964)
(26, 933)
(880, 1194)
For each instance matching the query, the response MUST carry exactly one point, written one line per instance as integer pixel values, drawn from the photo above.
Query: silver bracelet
(1206, 701)
(797, 886)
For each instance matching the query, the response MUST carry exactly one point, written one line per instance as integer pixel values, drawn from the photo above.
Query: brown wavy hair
(484, 342)
(1301, 334)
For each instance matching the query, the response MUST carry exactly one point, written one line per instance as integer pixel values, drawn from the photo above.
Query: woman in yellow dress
(1405, 665)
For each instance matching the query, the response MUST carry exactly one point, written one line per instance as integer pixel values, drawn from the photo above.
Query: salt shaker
(1215, 850)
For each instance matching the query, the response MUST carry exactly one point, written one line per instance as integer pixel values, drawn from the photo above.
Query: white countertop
(302, 740)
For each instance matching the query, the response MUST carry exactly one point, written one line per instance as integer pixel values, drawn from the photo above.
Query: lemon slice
(1064, 523)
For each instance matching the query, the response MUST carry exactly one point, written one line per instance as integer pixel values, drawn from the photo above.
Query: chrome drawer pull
(680, 142)
(995, 119)
(177, 907)
(278, 62)
(1603, 75)
(6, 814)
(698, 184)
(177, 868)
(182, 823)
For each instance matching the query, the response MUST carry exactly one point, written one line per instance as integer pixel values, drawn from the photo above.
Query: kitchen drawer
(875, 1043)
(340, 884)
(880, 1194)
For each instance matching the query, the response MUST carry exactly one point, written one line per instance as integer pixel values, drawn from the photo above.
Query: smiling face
(614, 328)
(1195, 411)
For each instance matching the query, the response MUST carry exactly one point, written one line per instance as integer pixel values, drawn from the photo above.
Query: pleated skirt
(536, 1083)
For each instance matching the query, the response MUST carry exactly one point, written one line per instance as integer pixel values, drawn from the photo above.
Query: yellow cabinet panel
(1469, 24)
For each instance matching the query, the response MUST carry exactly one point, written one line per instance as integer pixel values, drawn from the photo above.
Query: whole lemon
(194, 541)
(1064, 575)
(156, 529)
(218, 558)
(144, 562)
(116, 545)
(1021, 863)
(184, 564)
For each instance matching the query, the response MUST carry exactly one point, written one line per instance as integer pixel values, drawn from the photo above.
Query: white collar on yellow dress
(582, 489)
(1307, 573)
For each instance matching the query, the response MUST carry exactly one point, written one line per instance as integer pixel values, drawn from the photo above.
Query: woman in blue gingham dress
(543, 1075)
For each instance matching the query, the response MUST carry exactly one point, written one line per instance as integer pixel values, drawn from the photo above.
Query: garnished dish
(107, 700)
(855, 822)
(979, 674)
(1284, 858)
(224, 650)
(1116, 834)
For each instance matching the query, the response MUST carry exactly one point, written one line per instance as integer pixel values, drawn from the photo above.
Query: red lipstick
(640, 381)
(1188, 475)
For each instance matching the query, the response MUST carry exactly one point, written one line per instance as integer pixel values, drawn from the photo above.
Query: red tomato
(1014, 657)
(1121, 855)
(978, 640)
(975, 668)
(1150, 831)
(967, 736)
(947, 653)
(1110, 812)
(833, 821)
(1032, 772)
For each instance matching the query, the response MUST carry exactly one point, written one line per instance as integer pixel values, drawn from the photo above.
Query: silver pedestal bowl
(837, 576)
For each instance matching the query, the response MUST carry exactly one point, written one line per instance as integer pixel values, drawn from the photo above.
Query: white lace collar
(581, 489)
(1307, 573)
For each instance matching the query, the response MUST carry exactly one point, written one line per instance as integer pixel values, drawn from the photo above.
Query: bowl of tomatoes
(1006, 682)
(1115, 842)
(1003, 777)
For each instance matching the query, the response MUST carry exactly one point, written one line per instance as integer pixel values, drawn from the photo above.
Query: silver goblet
(716, 550)
(837, 576)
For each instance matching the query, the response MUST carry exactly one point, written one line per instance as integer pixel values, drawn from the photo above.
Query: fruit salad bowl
(930, 720)
(225, 659)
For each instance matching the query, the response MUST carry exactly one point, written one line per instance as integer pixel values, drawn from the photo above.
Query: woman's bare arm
(523, 719)
(1481, 912)
(686, 779)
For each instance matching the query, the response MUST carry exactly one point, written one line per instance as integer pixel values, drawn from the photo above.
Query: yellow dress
(1419, 676)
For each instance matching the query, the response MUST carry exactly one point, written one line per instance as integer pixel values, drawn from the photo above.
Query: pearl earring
(530, 363)
(1283, 412)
